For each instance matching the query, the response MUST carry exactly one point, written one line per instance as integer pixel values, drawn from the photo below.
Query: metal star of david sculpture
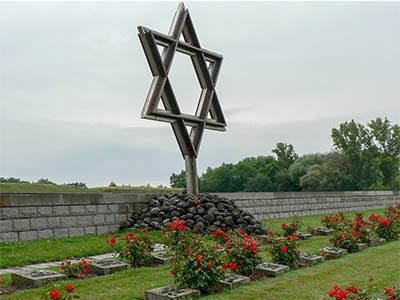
(208, 113)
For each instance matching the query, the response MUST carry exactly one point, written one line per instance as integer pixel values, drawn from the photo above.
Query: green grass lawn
(58, 188)
(382, 263)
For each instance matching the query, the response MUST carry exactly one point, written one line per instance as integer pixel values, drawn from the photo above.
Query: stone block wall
(285, 205)
(31, 216)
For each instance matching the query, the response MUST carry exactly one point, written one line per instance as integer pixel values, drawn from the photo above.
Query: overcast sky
(73, 80)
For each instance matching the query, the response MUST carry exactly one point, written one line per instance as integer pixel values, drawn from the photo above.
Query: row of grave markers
(36, 278)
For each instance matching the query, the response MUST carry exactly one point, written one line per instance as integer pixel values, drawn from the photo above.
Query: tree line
(365, 157)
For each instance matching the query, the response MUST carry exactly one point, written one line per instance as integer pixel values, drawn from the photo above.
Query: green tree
(286, 155)
(373, 152)
(178, 180)
(45, 181)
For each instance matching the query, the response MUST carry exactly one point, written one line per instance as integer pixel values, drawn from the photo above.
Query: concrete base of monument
(307, 260)
(333, 253)
(106, 266)
(271, 269)
(170, 292)
(232, 281)
(34, 278)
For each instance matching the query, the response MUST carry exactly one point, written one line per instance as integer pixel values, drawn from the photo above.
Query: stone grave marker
(376, 241)
(264, 239)
(361, 246)
(303, 235)
(170, 292)
(271, 269)
(323, 230)
(34, 278)
(160, 247)
(106, 266)
(161, 257)
(333, 253)
(307, 260)
(232, 281)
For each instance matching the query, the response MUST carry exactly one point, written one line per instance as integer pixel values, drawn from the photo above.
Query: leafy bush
(136, 251)
(333, 221)
(285, 251)
(387, 226)
(75, 269)
(344, 240)
(195, 264)
(355, 293)
(243, 254)
(295, 224)
(55, 294)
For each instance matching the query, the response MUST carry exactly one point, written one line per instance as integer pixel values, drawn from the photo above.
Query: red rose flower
(69, 288)
(284, 249)
(283, 225)
(332, 293)
(227, 250)
(209, 265)
(188, 250)
(54, 294)
(201, 267)
(173, 272)
(217, 246)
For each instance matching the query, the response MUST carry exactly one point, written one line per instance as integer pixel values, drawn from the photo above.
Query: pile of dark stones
(202, 213)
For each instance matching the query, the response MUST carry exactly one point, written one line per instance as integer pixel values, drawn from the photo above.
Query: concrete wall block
(39, 223)
(101, 209)
(6, 226)
(110, 219)
(21, 225)
(76, 231)
(113, 208)
(9, 212)
(60, 232)
(27, 235)
(45, 211)
(77, 210)
(60, 210)
(115, 228)
(53, 222)
(120, 218)
(6, 237)
(90, 209)
(67, 222)
(103, 229)
(84, 220)
(98, 220)
(90, 230)
(45, 234)
(27, 212)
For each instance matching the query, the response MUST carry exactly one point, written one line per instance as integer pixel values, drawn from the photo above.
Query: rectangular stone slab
(232, 281)
(170, 292)
(106, 266)
(34, 278)
(333, 253)
(361, 246)
(323, 230)
(304, 235)
(306, 260)
(376, 241)
(271, 269)
(161, 257)
(264, 239)
(159, 247)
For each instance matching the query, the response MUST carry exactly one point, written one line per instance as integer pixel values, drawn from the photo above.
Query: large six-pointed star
(208, 113)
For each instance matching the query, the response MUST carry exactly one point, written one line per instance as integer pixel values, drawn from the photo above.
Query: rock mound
(201, 213)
